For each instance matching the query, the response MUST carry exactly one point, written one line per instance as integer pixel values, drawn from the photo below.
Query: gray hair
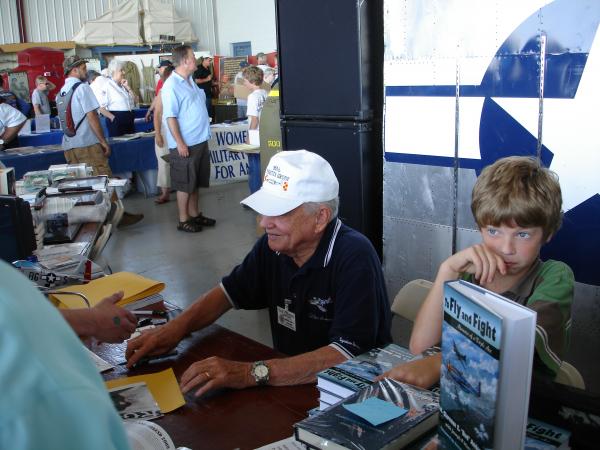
(115, 65)
(333, 206)
(268, 71)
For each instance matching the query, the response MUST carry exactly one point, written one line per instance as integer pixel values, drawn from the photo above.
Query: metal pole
(542, 72)
(456, 160)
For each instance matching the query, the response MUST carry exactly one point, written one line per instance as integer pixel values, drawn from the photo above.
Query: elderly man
(321, 281)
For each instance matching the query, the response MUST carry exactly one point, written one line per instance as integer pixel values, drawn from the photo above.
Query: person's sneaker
(129, 219)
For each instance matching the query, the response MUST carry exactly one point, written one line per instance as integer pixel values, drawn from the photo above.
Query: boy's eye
(492, 231)
(523, 234)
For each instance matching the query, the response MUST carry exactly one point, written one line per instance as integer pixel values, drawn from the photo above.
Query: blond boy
(253, 80)
(517, 206)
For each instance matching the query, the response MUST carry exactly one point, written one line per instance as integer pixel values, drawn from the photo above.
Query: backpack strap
(69, 113)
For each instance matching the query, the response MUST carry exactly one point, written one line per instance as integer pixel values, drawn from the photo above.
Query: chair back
(569, 375)
(409, 299)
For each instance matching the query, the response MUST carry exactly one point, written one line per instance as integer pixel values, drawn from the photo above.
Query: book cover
(338, 428)
(543, 436)
(135, 401)
(487, 356)
(357, 373)
(471, 337)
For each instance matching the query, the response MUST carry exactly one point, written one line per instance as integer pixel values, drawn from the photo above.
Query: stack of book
(340, 428)
(341, 381)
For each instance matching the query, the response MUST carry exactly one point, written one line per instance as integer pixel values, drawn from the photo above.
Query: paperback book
(346, 378)
(338, 428)
(543, 436)
(487, 355)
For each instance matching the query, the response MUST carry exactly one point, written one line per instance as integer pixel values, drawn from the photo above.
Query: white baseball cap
(291, 179)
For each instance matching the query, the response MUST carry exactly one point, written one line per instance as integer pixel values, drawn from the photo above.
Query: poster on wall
(228, 69)
(18, 83)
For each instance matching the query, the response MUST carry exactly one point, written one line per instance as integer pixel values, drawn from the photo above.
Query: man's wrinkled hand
(215, 372)
(111, 323)
(152, 342)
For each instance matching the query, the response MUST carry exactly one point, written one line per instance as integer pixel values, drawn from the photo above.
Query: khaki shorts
(189, 174)
(92, 155)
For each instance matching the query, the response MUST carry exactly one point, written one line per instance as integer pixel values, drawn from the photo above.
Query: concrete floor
(191, 263)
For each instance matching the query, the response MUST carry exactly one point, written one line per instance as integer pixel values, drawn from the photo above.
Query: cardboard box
(242, 92)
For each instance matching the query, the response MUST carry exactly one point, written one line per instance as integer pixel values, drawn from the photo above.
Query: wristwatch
(260, 372)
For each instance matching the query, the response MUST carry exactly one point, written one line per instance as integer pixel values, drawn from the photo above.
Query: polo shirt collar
(322, 255)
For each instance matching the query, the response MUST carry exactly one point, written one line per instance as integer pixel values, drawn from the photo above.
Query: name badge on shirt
(286, 317)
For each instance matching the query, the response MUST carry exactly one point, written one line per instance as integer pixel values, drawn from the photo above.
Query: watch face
(261, 371)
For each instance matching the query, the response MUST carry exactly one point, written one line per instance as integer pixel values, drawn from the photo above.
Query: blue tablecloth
(55, 136)
(140, 112)
(36, 140)
(136, 155)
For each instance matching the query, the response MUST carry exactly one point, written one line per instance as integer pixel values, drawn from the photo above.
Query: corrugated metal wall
(9, 30)
(59, 20)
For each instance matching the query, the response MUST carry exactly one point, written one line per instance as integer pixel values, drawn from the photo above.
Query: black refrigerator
(331, 97)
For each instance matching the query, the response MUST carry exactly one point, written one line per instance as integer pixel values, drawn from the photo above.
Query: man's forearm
(302, 369)
(95, 126)
(11, 132)
(174, 128)
(80, 320)
(203, 312)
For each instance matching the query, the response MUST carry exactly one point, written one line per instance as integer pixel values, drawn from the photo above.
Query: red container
(42, 61)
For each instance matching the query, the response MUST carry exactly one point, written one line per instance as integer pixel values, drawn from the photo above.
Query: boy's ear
(549, 238)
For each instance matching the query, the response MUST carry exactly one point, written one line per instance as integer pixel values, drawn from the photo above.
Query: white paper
(101, 365)
(253, 137)
(42, 123)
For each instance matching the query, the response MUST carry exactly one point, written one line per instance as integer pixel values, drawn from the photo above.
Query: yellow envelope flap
(163, 386)
(134, 286)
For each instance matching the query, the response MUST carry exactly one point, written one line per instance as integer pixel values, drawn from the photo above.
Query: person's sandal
(189, 226)
(204, 221)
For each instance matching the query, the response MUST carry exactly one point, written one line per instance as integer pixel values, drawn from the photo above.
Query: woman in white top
(118, 99)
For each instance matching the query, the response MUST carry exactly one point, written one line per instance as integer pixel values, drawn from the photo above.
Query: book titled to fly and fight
(487, 356)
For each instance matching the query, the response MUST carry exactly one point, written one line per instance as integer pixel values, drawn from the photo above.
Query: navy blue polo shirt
(338, 296)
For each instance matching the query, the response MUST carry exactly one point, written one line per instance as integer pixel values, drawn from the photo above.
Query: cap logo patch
(274, 177)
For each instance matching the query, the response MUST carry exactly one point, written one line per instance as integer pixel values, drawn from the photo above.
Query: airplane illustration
(458, 377)
(461, 356)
